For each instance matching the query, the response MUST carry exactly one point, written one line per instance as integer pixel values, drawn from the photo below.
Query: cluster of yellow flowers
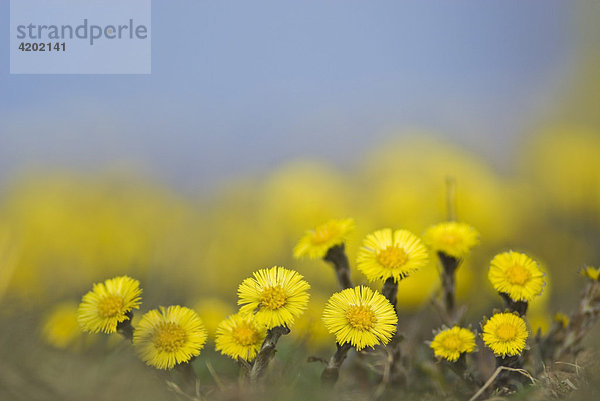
(169, 336)
(271, 301)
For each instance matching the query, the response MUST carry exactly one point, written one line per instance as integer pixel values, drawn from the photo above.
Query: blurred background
(263, 119)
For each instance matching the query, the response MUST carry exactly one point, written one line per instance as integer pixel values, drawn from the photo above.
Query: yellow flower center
(392, 257)
(506, 332)
(110, 306)
(517, 275)
(273, 297)
(323, 234)
(361, 317)
(169, 337)
(245, 335)
(451, 342)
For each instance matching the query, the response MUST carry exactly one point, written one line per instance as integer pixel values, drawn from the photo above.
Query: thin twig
(496, 373)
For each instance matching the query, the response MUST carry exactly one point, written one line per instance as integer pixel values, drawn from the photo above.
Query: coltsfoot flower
(316, 242)
(239, 336)
(60, 328)
(275, 296)
(452, 238)
(516, 275)
(449, 344)
(361, 317)
(562, 319)
(505, 334)
(169, 336)
(108, 304)
(386, 253)
(591, 273)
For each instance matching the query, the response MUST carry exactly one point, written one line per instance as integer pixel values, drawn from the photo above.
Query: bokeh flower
(169, 336)
(450, 343)
(516, 275)
(562, 318)
(108, 304)
(239, 336)
(60, 327)
(276, 296)
(361, 317)
(452, 238)
(213, 311)
(316, 242)
(505, 334)
(386, 253)
(591, 273)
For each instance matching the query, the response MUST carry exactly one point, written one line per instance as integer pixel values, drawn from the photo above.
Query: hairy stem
(332, 371)
(267, 352)
(336, 255)
(514, 306)
(125, 328)
(390, 291)
(449, 267)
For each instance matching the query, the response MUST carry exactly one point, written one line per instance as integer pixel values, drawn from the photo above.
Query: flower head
(60, 328)
(517, 275)
(449, 344)
(452, 238)
(239, 336)
(562, 319)
(505, 334)
(591, 273)
(163, 338)
(386, 253)
(316, 242)
(276, 296)
(108, 304)
(360, 316)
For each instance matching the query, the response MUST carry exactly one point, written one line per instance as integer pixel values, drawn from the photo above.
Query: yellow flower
(213, 311)
(239, 336)
(591, 273)
(60, 328)
(170, 336)
(449, 344)
(316, 242)
(108, 304)
(276, 296)
(360, 316)
(452, 238)
(517, 275)
(505, 334)
(562, 319)
(386, 253)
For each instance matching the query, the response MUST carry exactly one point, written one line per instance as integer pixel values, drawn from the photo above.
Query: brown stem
(390, 291)
(449, 266)
(514, 306)
(125, 328)
(331, 373)
(336, 255)
(267, 352)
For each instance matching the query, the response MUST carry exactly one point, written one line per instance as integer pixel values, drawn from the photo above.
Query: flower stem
(449, 267)
(332, 371)
(336, 255)
(125, 328)
(267, 352)
(514, 306)
(390, 291)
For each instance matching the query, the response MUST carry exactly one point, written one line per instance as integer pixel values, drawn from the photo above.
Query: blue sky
(245, 86)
